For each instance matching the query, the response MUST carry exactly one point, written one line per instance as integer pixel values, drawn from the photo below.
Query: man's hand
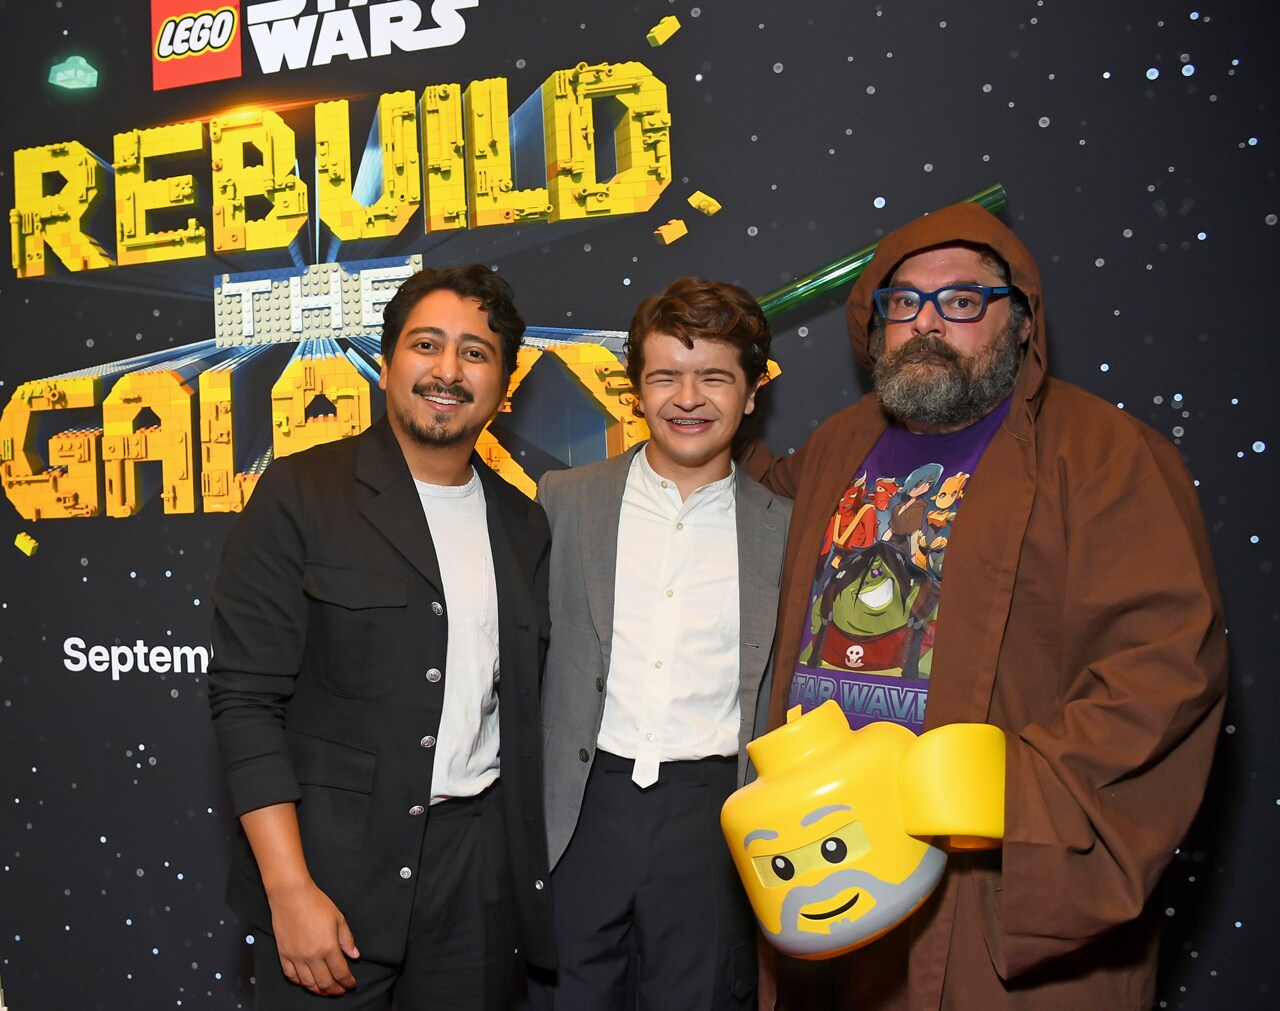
(312, 937)
(311, 933)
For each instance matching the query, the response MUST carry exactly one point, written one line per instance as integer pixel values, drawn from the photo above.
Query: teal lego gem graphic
(74, 72)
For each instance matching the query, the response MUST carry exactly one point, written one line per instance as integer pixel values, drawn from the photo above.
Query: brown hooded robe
(1080, 613)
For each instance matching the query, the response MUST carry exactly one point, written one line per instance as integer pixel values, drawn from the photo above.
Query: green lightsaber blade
(847, 269)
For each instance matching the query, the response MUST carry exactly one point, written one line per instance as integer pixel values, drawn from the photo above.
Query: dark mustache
(422, 389)
(923, 348)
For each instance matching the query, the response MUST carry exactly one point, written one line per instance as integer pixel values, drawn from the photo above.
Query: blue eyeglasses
(963, 303)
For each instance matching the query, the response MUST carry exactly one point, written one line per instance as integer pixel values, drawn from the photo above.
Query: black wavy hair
(472, 281)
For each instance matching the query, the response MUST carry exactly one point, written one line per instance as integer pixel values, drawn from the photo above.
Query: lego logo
(192, 34)
(194, 46)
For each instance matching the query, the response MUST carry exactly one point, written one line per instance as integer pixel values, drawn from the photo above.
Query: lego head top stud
(841, 837)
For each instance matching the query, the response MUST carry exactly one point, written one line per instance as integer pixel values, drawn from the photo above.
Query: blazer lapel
(599, 511)
(396, 510)
(515, 555)
(759, 562)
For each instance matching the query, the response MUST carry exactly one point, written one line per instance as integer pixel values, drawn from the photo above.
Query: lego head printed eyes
(828, 840)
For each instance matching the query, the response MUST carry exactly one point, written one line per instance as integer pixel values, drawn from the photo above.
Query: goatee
(437, 434)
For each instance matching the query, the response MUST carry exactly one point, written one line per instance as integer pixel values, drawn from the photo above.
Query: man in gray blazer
(665, 564)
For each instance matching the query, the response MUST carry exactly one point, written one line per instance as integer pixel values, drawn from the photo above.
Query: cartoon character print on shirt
(941, 516)
(885, 489)
(879, 577)
(873, 616)
(853, 526)
(908, 510)
(873, 611)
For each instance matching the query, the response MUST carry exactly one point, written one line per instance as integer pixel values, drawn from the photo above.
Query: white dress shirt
(672, 691)
(466, 752)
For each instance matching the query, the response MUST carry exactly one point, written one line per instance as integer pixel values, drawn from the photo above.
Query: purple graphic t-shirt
(874, 605)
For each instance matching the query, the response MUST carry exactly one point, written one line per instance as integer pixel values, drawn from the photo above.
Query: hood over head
(963, 222)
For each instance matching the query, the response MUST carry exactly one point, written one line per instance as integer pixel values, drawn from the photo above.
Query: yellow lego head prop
(827, 840)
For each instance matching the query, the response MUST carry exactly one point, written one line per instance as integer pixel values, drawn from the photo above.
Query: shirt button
(679, 526)
(671, 593)
(433, 675)
(539, 885)
(648, 737)
(406, 873)
(417, 809)
(437, 607)
(584, 754)
(428, 741)
(599, 684)
(657, 663)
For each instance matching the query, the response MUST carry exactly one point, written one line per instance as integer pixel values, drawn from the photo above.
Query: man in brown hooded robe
(1079, 612)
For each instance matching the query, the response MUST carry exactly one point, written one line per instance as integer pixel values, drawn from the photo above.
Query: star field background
(1138, 145)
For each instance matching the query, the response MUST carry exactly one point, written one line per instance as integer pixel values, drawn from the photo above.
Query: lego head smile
(819, 840)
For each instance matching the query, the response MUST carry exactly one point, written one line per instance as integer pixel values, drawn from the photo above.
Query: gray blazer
(583, 506)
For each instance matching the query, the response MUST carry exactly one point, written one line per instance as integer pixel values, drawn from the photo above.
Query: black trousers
(649, 911)
(461, 945)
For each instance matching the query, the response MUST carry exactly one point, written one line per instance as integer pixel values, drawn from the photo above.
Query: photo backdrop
(209, 203)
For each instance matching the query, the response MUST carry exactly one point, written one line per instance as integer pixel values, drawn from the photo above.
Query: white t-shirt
(466, 752)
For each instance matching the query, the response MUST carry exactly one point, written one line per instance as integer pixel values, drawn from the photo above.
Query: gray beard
(894, 903)
(929, 382)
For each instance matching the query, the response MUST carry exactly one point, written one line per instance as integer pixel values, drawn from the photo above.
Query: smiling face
(444, 380)
(694, 399)
(877, 595)
(818, 839)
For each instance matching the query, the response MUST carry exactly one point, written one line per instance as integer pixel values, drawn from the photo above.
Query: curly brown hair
(693, 308)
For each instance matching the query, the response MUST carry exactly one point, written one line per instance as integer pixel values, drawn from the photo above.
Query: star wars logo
(194, 42)
(285, 36)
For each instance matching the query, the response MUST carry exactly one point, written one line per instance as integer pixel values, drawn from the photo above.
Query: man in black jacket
(380, 618)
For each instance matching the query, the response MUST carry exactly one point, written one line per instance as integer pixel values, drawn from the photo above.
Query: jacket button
(428, 741)
(417, 809)
(406, 873)
(599, 684)
(584, 754)
(539, 885)
(437, 607)
(433, 675)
